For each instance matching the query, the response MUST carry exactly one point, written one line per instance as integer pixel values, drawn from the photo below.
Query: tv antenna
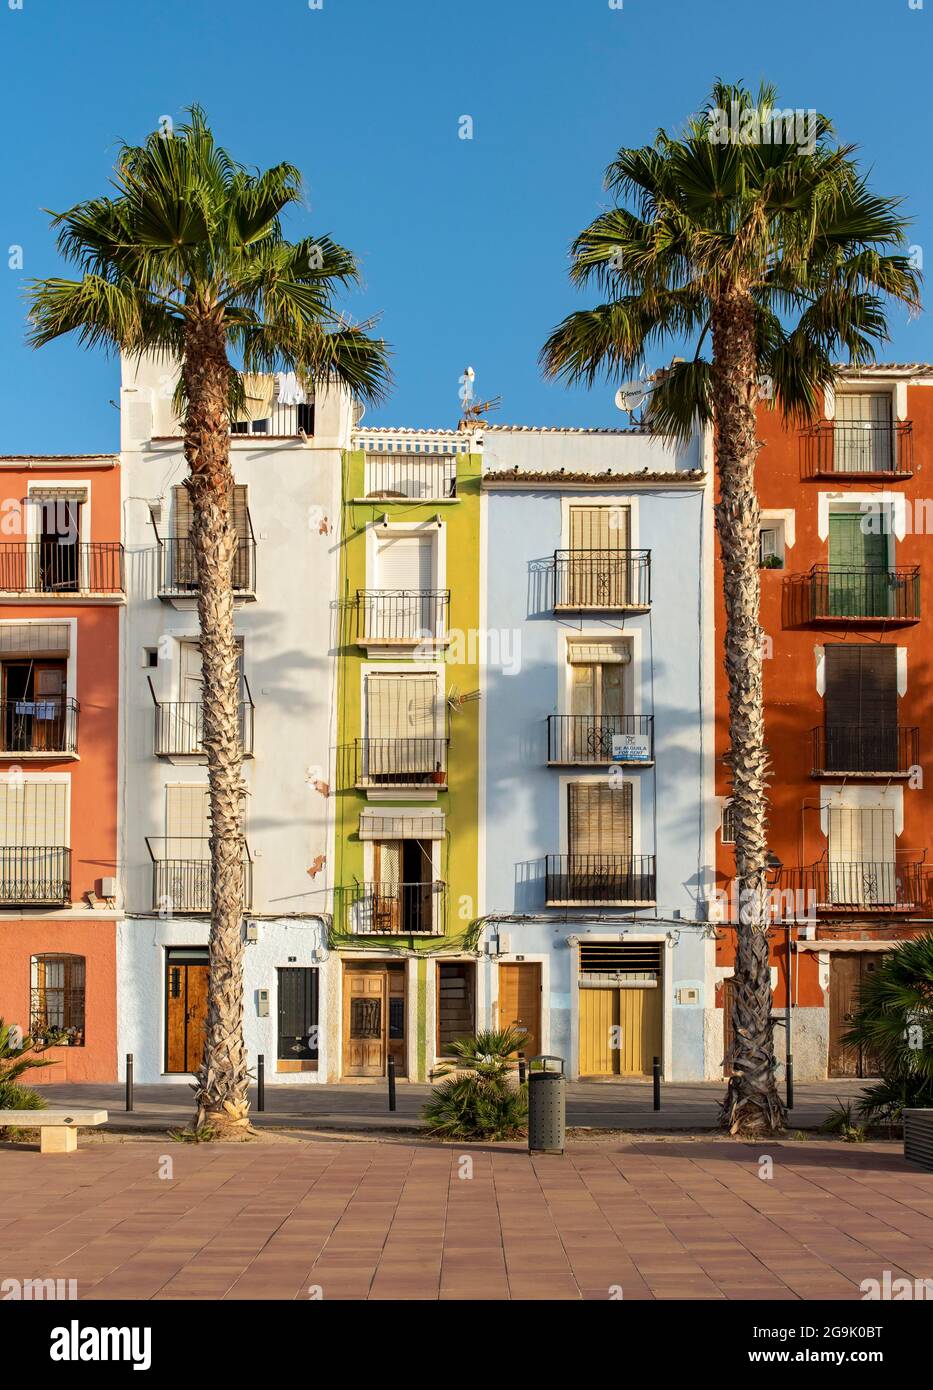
(473, 411)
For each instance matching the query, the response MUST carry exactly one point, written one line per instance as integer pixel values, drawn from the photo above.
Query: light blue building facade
(597, 736)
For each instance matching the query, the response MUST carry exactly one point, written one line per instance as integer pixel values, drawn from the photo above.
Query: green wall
(460, 802)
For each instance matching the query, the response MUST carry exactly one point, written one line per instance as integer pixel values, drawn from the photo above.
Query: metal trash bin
(547, 1106)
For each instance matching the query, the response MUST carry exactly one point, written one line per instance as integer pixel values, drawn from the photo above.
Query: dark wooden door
(185, 1013)
(847, 970)
(297, 1008)
(728, 1031)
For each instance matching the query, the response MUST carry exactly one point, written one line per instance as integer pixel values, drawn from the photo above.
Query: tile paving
(655, 1219)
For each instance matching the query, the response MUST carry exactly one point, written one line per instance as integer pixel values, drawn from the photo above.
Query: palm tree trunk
(752, 1104)
(221, 1090)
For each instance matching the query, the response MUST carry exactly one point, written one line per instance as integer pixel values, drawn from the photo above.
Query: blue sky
(463, 243)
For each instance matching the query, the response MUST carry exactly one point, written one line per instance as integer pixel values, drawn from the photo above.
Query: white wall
(288, 635)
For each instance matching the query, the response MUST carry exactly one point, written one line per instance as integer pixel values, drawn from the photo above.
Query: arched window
(57, 1004)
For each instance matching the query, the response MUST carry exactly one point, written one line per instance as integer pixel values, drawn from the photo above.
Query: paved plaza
(291, 1217)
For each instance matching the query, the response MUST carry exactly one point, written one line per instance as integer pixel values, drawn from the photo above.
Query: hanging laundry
(258, 391)
(289, 388)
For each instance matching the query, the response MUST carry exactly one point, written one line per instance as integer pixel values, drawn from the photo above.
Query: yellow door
(599, 1017)
(620, 1031)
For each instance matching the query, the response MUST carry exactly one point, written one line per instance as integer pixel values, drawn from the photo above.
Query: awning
(393, 824)
(602, 653)
(35, 639)
(848, 945)
(61, 492)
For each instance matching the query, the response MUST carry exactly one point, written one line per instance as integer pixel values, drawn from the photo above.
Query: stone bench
(58, 1129)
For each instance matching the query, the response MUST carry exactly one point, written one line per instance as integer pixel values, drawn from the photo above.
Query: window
(184, 567)
(599, 560)
(57, 1003)
(769, 549)
(600, 819)
(863, 435)
(150, 657)
(58, 536)
(727, 824)
(860, 705)
(404, 602)
(859, 581)
(862, 858)
(404, 729)
(403, 886)
(34, 859)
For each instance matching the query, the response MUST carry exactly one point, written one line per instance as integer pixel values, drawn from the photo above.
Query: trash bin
(547, 1106)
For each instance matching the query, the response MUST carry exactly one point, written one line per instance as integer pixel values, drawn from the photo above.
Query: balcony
(391, 621)
(864, 750)
(178, 571)
(282, 422)
(411, 477)
(618, 580)
(861, 594)
(861, 886)
(600, 880)
(59, 569)
(179, 727)
(181, 875)
(395, 909)
(395, 763)
(46, 727)
(574, 740)
(858, 451)
(35, 876)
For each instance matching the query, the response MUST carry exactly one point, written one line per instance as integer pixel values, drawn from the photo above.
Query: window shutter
(404, 562)
(33, 813)
(239, 511)
(187, 822)
(181, 526)
(600, 818)
(34, 639)
(402, 706)
(599, 528)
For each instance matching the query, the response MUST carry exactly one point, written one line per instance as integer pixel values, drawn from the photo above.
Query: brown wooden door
(520, 1002)
(728, 997)
(365, 1023)
(847, 970)
(185, 1014)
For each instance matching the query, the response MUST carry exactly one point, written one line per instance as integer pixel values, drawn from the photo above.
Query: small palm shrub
(894, 1022)
(480, 1099)
(17, 1055)
(841, 1120)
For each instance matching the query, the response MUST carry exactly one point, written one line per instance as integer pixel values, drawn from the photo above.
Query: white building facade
(286, 461)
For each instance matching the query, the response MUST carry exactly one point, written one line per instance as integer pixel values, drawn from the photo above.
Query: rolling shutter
(405, 562)
(600, 818)
(35, 639)
(861, 684)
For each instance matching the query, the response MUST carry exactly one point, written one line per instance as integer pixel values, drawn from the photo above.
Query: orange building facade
(847, 612)
(62, 591)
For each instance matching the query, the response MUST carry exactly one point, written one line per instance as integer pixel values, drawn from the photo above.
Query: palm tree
(768, 243)
(893, 1022)
(189, 261)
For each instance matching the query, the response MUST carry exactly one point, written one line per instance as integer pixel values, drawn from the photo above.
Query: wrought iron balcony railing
(602, 579)
(181, 875)
(178, 570)
(179, 726)
(393, 909)
(400, 762)
(282, 422)
(852, 449)
(583, 880)
(48, 724)
(61, 567)
(35, 875)
(426, 477)
(607, 738)
(859, 593)
(864, 749)
(863, 886)
(403, 616)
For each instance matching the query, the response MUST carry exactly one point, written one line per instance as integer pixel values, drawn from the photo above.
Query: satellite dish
(631, 395)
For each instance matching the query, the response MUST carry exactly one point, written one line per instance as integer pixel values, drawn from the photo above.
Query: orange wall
(94, 939)
(792, 706)
(94, 790)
